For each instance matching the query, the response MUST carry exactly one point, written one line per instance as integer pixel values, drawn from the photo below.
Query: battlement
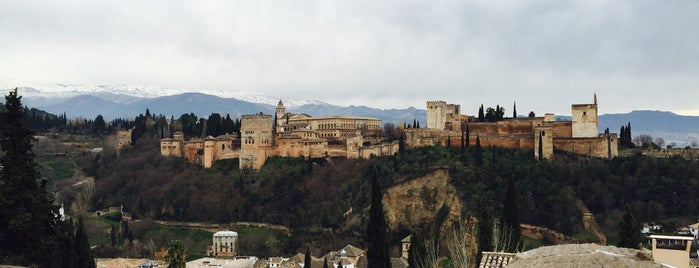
(436, 103)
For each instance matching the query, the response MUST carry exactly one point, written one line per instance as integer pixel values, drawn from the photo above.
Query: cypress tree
(307, 258)
(325, 263)
(481, 114)
(377, 253)
(510, 231)
(67, 250)
(28, 222)
(448, 141)
(485, 232)
(417, 251)
(82, 247)
(498, 115)
(468, 137)
(113, 237)
(514, 110)
(628, 135)
(479, 152)
(628, 230)
(463, 146)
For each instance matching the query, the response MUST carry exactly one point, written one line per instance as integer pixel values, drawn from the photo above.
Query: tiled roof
(496, 259)
(353, 251)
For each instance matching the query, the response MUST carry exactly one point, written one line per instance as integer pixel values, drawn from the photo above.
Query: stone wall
(603, 146)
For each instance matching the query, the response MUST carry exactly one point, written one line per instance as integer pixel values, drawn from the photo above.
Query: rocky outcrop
(414, 202)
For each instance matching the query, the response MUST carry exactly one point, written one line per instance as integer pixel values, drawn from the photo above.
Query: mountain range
(126, 101)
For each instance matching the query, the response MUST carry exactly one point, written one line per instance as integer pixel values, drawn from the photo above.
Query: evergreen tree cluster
(628, 230)
(30, 230)
(491, 114)
(625, 136)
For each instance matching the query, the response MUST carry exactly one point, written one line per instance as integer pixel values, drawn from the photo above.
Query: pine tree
(628, 230)
(98, 126)
(510, 231)
(176, 255)
(377, 253)
(27, 217)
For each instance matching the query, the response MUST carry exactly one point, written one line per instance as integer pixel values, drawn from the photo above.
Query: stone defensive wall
(597, 147)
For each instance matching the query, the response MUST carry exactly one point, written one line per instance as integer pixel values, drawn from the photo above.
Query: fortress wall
(596, 147)
(511, 141)
(514, 127)
(562, 129)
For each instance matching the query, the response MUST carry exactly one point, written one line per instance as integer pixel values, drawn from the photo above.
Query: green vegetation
(57, 169)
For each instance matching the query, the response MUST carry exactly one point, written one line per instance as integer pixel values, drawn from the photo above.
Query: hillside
(332, 194)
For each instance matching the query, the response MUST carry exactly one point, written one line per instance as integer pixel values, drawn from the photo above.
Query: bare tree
(672, 145)
(461, 245)
(501, 238)
(85, 190)
(429, 260)
(644, 140)
(659, 142)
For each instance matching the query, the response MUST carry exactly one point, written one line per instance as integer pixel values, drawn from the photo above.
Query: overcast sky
(545, 55)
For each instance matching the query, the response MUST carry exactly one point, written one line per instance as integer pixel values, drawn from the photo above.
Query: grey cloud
(542, 54)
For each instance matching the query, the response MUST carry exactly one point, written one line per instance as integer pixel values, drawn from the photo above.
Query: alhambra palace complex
(301, 135)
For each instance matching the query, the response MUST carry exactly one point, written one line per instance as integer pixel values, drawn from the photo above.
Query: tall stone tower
(585, 123)
(436, 114)
(543, 137)
(280, 112)
(256, 140)
(208, 159)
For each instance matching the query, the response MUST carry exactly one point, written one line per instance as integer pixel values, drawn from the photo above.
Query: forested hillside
(305, 194)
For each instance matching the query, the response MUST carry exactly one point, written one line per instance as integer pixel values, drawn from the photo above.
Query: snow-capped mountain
(127, 101)
(53, 93)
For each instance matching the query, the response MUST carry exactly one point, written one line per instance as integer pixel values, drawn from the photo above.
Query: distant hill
(680, 129)
(110, 107)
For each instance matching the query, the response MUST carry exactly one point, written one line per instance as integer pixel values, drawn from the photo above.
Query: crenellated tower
(280, 112)
(585, 124)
